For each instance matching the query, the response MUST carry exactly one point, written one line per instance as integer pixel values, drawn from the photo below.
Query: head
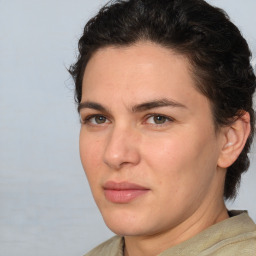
(217, 53)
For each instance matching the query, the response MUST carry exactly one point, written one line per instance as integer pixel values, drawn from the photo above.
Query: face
(148, 143)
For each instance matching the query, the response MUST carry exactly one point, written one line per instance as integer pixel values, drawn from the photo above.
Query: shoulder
(234, 236)
(244, 245)
(240, 238)
(111, 247)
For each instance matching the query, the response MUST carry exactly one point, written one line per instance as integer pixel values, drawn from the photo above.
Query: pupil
(159, 119)
(100, 119)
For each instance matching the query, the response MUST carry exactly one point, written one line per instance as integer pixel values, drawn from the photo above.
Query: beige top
(235, 236)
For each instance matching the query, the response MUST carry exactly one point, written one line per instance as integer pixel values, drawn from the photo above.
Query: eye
(158, 119)
(96, 120)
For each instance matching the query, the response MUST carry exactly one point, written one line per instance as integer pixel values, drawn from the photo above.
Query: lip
(123, 192)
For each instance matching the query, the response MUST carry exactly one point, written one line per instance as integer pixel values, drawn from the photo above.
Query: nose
(122, 148)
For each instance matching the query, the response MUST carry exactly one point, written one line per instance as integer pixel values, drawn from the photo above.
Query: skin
(173, 150)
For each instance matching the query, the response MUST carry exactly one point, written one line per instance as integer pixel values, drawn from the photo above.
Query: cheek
(164, 165)
(90, 154)
(179, 162)
(165, 154)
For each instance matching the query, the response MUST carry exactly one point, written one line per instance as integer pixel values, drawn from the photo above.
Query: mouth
(123, 192)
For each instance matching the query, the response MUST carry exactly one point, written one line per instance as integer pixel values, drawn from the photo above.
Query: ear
(235, 136)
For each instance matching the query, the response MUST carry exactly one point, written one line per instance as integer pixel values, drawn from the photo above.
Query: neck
(154, 244)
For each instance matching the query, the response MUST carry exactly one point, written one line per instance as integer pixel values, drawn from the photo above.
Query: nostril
(125, 156)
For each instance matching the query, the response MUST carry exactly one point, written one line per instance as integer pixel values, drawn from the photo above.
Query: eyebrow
(91, 105)
(156, 104)
(137, 108)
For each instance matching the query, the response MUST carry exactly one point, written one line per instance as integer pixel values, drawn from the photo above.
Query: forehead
(140, 72)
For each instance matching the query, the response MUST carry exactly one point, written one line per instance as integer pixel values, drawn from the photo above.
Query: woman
(164, 91)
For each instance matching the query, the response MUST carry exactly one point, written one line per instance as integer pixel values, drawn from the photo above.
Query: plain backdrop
(46, 206)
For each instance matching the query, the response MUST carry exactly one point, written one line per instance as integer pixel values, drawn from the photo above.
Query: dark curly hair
(218, 53)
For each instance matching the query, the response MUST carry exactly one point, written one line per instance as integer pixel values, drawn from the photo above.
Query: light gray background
(45, 204)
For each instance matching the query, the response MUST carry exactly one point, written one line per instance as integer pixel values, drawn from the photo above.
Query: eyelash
(88, 119)
(153, 115)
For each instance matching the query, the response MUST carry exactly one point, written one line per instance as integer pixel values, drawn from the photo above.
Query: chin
(123, 230)
(124, 224)
(135, 226)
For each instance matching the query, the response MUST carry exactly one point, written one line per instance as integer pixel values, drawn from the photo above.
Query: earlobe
(236, 136)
